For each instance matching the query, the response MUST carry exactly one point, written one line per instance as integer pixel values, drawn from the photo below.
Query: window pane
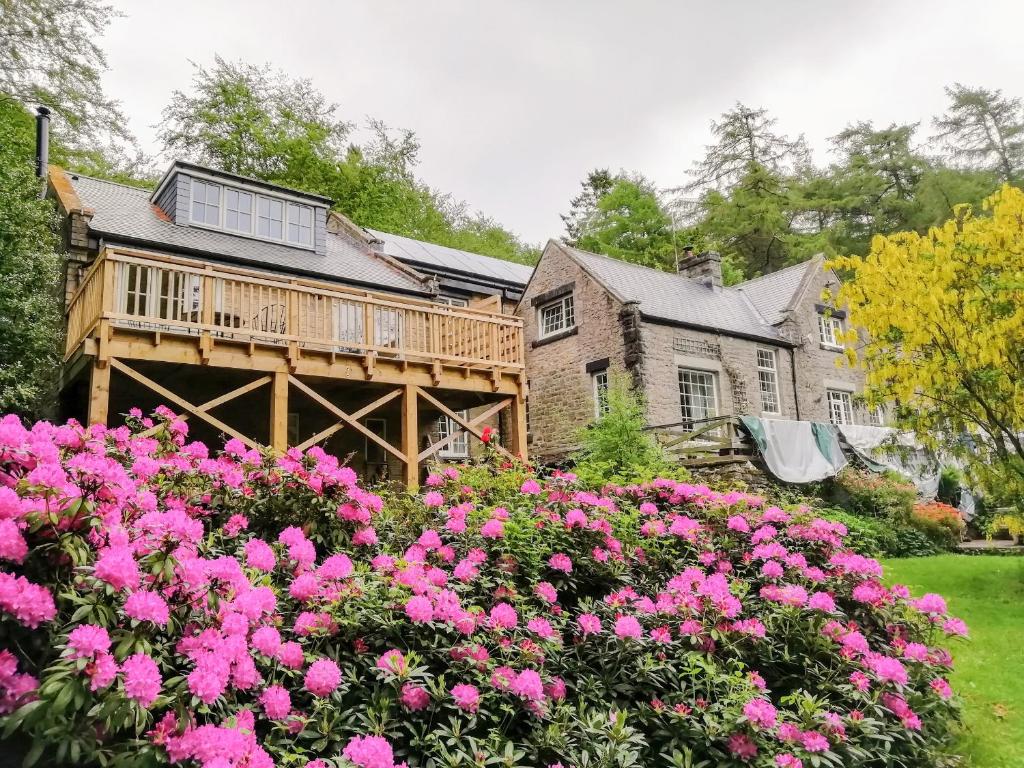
(600, 393)
(697, 396)
(270, 218)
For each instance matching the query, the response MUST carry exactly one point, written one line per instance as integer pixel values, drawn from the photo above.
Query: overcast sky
(515, 101)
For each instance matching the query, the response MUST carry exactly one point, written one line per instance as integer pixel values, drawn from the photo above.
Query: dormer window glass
(238, 211)
(205, 203)
(300, 224)
(270, 218)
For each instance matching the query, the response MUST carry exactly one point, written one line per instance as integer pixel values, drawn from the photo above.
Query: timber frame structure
(136, 312)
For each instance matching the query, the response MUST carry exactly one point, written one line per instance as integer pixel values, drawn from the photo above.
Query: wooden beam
(181, 402)
(347, 418)
(468, 426)
(279, 412)
(517, 426)
(428, 452)
(366, 409)
(99, 391)
(209, 405)
(410, 436)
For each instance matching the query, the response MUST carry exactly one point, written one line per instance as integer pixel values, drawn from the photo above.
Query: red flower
(487, 435)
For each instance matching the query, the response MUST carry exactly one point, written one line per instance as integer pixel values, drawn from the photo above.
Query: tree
(984, 130)
(944, 316)
(50, 54)
(746, 137)
(630, 223)
(583, 207)
(30, 276)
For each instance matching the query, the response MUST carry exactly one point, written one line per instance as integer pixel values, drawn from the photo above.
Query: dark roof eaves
(777, 341)
(270, 187)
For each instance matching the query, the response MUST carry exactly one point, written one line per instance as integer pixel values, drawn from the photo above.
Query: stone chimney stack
(706, 267)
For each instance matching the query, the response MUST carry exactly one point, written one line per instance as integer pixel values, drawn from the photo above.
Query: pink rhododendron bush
(160, 605)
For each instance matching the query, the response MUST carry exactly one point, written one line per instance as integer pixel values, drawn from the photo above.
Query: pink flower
(941, 687)
(88, 640)
(369, 752)
(930, 603)
(259, 555)
(860, 681)
(628, 627)
(761, 713)
(266, 640)
(954, 627)
(504, 616)
(560, 562)
(742, 746)
(528, 685)
(13, 546)
(147, 606)
(492, 529)
(466, 697)
(546, 592)
(419, 609)
(530, 487)
(322, 677)
(541, 627)
(738, 523)
(290, 655)
(661, 635)
(304, 587)
(365, 537)
(589, 624)
(142, 681)
(821, 601)
(887, 669)
(335, 567)
(276, 702)
(813, 741)
(394, 662)
(772, 569)
(101, 672)
(117, 567)
(788, 760)
(433, 499)
(414, 697)
(429, 540)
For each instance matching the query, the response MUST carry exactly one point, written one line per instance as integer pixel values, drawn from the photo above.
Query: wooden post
(410, 437)
(517, 425)
(99, 392)
(279, 412)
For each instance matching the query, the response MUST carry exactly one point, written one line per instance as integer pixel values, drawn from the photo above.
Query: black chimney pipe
(42, 140)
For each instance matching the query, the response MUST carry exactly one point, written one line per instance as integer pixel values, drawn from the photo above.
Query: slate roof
(124, 214)
(772, 294)
(431, 256)
(673, 298)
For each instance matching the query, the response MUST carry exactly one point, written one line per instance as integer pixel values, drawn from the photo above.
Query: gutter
(779, 342)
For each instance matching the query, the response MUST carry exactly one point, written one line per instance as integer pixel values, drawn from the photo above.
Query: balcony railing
(173, 296)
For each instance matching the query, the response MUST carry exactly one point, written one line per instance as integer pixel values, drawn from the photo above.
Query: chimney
(706, 267)
(42, 140)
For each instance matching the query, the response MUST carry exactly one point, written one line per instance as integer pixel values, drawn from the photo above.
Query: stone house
(259, 313)
(696, 349)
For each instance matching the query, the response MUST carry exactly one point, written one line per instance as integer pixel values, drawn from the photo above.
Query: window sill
(832, 347)
(555, 337)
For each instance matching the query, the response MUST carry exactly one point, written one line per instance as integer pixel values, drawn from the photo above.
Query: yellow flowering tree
(944, 343)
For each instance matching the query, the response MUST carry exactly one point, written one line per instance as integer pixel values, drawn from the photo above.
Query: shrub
(881, 495)
(618, 448)
(159, 605)
(863, 534)
(941, 523)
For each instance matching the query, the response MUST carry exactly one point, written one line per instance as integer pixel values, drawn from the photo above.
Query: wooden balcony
(138, 306)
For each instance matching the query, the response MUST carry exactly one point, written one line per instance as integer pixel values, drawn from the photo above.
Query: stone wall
(819, 368)
(561, 399)
(732, 360)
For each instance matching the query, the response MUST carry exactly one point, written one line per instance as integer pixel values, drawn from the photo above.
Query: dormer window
(300, 224)
(238, 211)
(270, 218)
(205, 203)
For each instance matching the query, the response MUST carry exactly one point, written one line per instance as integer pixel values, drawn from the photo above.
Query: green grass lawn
(988, 593)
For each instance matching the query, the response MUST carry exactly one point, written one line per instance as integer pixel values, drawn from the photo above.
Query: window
(300, 224)
(698, 396)
(269, 218)
(452, 301)
(237, 211)
(768, 381)
(600, 379)
(459, 447)
(840, 407)
(829, 330)
(556, 316)
(876, 416)
(205, 203)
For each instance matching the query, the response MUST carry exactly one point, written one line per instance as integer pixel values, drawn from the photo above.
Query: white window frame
(566, 314)
(709, 406)
(258, 216)
(298, 209)
(599, 382)
(452, 301)
(251, 212)
(876, 416)
(768, 380)
(830, 328)
(192, 203)
(840, 406)
(457, 448)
